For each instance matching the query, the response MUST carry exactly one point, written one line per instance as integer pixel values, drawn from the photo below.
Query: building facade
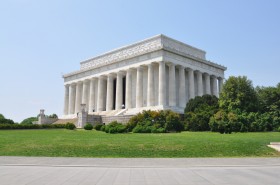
(156, 73)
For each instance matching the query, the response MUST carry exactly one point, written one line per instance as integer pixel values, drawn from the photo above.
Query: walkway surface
(122, 171)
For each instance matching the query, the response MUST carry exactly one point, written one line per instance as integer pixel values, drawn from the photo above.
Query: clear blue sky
(41, 40)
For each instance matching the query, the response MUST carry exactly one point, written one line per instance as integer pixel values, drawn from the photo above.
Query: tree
(3, 120)
(238, 94)
(269, 98)
(53, 116)
(198, 112)
(269, 103)
(29, 120)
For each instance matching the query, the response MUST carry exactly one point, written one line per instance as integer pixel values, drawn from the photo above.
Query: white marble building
(156, 73)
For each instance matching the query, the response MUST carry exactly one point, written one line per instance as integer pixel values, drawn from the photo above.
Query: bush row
(31, 126)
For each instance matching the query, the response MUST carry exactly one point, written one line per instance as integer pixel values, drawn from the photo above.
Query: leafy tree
(3, 120)
(238, 94)
(29, 120)
(198, 112)
(53, 116)
(269, 98)
(200, 101)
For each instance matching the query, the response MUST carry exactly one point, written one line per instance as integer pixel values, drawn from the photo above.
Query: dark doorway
(114, 93)
(124, 85)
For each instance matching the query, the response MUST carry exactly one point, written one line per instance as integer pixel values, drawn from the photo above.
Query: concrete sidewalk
(199, 171)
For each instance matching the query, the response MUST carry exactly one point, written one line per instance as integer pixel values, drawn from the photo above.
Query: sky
(42, 40)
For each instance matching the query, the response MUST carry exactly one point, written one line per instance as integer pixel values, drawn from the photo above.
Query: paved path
(121, 171)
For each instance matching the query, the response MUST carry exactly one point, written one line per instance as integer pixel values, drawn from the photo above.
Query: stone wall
(121, 118)
(94, 119)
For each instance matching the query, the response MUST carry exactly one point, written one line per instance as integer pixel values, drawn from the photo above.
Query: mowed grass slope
(81, 143)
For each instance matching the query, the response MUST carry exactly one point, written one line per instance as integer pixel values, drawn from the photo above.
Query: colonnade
(155, 84)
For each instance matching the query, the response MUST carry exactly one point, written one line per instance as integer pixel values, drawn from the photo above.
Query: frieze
(116, 56)
(149, 45)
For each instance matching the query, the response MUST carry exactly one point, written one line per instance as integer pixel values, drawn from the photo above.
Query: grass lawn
(81, 143)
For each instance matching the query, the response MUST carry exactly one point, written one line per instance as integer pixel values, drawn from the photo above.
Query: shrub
(88, 126)
(70, 126)
(278, 129)
(155, 122)
(115, 127)
(148, 129)
(172, 122)
(98, 126)
(102, 128)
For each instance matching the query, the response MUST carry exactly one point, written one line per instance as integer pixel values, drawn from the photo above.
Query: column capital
(111, 75)
(140, 67)
(79, 82)
(213, 76)
(170, 64)
(129, 69)
(189, 69)
(122, 73)
(181, 67)
(151, 64)
(198, 72)
(102, 77)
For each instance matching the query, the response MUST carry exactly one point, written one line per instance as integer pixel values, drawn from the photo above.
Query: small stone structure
(43, 119)
(84, 118)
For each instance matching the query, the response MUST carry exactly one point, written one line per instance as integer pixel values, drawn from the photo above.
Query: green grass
(81, 143)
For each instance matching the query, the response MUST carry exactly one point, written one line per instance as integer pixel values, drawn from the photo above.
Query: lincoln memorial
(156, 73)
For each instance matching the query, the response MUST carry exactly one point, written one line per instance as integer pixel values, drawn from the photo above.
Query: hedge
(30, 126)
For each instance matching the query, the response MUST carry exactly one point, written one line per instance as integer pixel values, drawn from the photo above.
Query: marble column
(91, 105)
(139, 87)
(100, 102)
(191, 83)
(119, 91)
(85, 93)
(207, 84)
(78, 97)
(214, 86)
(150, 91)
(172, 85)
(128, 92)
(221, 82)
(162, 85)
(72, 96)
(66, 100)
(182, 87)
(199, 83)
(110, 92)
